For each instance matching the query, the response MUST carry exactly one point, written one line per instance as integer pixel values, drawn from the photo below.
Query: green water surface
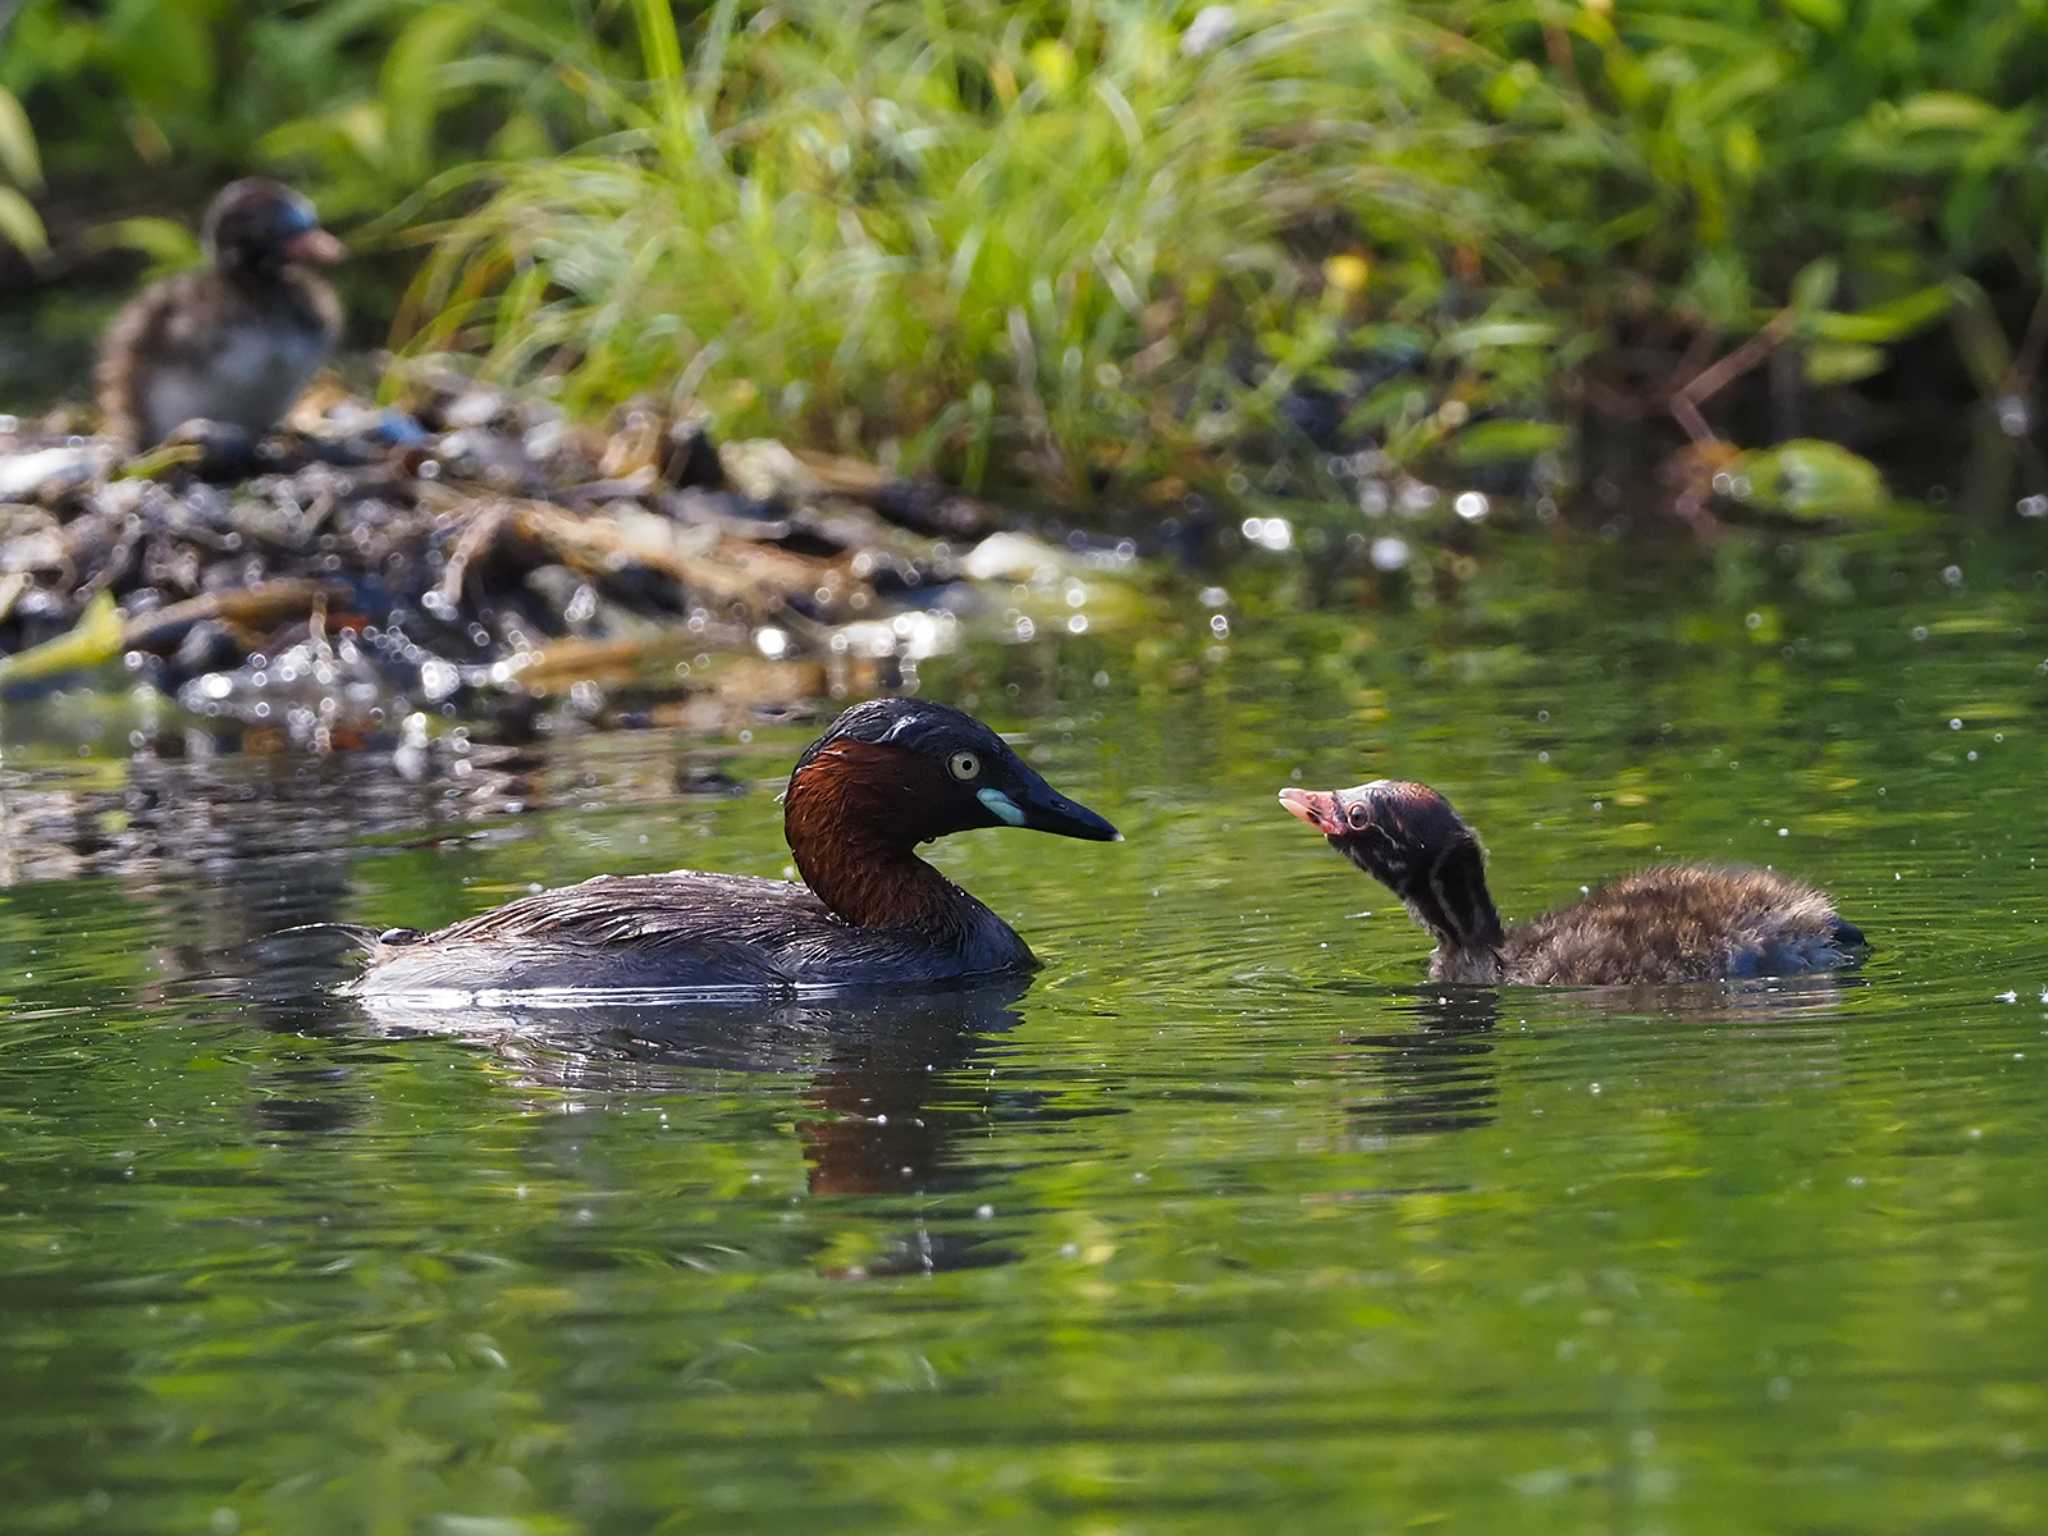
(1224, 1222)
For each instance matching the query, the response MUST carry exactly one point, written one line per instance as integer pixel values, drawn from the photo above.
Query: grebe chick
(886, 776)
(1676, 922)
(236, 341)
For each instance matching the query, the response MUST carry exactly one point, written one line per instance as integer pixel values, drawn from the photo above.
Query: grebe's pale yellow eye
(964, 766)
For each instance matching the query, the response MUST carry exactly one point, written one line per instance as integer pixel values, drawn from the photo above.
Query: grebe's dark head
(1390, 829)
(257, 226)
(913, 770)
(1408, 838)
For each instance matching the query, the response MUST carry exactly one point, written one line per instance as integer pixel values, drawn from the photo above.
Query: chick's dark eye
(964, 765)
(1358, 816)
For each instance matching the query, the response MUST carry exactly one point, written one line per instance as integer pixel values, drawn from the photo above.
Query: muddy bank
(469, 552)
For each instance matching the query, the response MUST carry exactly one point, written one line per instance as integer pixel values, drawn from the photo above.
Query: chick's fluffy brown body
(196, 345)
(1684, 922)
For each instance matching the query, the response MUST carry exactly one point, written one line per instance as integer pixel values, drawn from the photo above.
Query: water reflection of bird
(1677, 922)
(236, 341)
(886, 776)
(1438, 1076)
(885, 1092)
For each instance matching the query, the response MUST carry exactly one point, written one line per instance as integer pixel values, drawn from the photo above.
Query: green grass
(1032, 243)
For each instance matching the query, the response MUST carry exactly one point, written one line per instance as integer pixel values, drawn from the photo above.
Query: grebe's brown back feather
(684, 929)
(1672, 923)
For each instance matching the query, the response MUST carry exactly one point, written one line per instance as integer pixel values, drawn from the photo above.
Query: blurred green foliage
(21, 173)
(1085, 246)
(1691, 169)
(363, 100)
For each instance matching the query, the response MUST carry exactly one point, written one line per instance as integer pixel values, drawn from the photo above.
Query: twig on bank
(2026, 361)
(1685, 401)
(256, 608)
(485, 524)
